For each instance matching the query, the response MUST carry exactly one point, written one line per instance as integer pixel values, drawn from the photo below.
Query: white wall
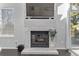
(61, 30)
(19, 14)
(22, 35)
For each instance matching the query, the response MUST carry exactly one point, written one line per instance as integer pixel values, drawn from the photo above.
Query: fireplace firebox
(39, 39)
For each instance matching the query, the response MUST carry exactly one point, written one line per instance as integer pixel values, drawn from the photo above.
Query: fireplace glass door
(39, 39)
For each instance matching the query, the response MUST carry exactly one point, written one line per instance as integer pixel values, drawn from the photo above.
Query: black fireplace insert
(39, 39)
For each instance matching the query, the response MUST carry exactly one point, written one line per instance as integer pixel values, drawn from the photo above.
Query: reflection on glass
(75, 28)
(6, 22)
